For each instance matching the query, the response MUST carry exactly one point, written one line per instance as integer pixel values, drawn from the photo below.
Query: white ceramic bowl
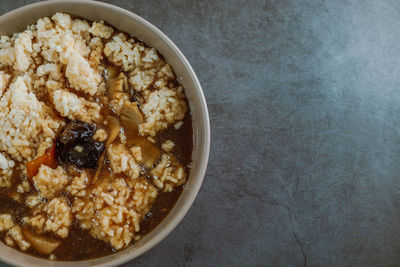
(17, 20)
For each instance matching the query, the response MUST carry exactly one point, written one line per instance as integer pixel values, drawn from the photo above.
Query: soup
(95, 139)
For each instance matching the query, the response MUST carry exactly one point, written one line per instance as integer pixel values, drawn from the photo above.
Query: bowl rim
(205, 147)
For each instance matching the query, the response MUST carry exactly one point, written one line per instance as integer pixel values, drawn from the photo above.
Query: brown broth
(80, 245)
(160, 209)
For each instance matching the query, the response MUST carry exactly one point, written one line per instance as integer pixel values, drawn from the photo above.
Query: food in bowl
(95, 139)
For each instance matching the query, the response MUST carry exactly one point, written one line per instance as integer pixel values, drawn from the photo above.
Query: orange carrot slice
(49, 159)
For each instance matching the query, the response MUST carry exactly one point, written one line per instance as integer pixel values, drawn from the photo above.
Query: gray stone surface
(304, 101)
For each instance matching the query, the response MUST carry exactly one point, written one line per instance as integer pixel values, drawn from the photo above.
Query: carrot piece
(49, 159)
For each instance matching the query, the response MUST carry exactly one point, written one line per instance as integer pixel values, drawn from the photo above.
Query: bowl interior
(17, 20)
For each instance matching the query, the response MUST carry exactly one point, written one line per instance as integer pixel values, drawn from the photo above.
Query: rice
(71, 106)
(6, 170)
(15, 237)
(54, 216)
(113, 211)
(168, 146)
(168, 173)
(50, 181)
(6, 222)
(27, 128)
(123, 161)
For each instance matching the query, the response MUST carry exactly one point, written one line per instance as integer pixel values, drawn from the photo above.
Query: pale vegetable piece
(115, 81)
(116, 85)
(117, 88)
(112, 72)
(114, 127)
(150, 152)
(40, 243)
(131, 117)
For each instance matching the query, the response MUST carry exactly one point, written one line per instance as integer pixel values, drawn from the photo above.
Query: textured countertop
(304, 101)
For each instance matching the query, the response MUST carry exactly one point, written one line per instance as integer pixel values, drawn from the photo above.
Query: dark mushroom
(75, 145)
